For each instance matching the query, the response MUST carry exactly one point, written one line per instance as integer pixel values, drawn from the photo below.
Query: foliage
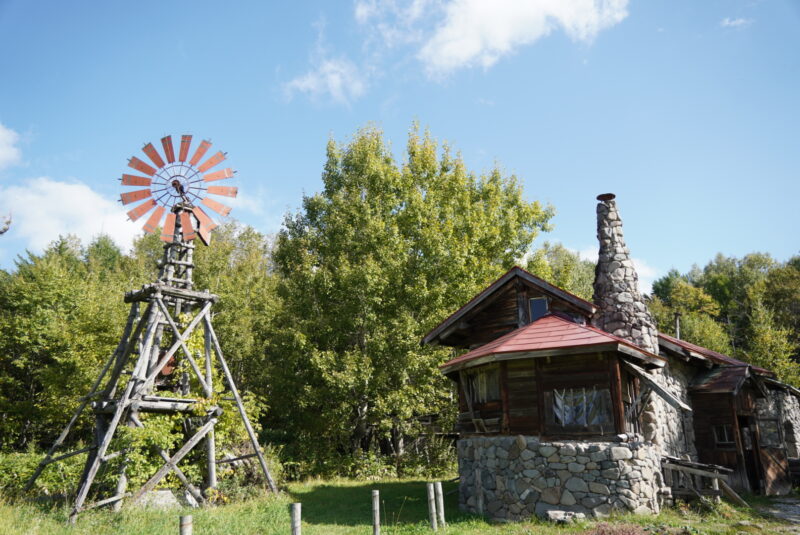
(746, 308)
(371, 263)
(564, 268)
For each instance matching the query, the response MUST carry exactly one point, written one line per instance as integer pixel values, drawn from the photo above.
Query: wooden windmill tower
(155, 339)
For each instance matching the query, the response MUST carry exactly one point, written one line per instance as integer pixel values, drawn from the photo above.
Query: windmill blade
(153, 154)
(168, 232)
(133, 196)
(186, 141)
(202, 218)
(153, 221)
(227, 191)
(139, 165)
(169, 151)
(142, 209)
(219, 208)
(200, 152)
(211, 162)
(219, 175)
(187, 229)
(205, 235)
(133, 180)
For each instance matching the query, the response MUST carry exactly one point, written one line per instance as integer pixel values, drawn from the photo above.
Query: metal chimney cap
(606, 197)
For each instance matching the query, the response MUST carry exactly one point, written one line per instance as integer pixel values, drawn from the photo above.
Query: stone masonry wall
(514, 478)
(784, 406)
(671, 429)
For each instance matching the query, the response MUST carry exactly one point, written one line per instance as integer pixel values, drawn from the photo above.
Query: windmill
(154, 339)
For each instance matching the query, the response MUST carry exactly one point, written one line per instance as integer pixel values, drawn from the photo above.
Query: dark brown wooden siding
(523, 414)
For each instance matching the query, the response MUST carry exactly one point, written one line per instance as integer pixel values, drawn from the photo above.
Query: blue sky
(687, 110)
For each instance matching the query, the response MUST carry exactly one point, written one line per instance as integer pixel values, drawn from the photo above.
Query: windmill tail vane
(177, 186)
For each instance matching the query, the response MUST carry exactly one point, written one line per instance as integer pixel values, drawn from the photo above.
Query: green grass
(344, 507)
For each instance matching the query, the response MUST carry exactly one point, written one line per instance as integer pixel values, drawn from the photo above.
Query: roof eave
(651, 361)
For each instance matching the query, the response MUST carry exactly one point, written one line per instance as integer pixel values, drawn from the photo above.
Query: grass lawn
(344, 507)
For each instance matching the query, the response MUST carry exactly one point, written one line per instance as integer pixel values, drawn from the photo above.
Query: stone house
(568, 407)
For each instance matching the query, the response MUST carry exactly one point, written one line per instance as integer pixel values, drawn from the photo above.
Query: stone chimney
(621, 309)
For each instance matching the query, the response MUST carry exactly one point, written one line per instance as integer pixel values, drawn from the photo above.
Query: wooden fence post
(296, 507)
(376, 513)
(186, 525)
(437, 487)
(432, 507)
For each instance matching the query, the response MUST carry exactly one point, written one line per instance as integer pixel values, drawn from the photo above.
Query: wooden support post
(715, 486)
(240, 406)
(186, 352)
(211, 448)
(437, 487)
(506, 421)
(616, 394)
(376, 513)
(296, 520)
(432, 507)
(186, 524)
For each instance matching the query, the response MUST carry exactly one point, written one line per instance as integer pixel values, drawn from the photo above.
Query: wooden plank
(667, 396)
(730, 493)
(694, 471)
(540, 394)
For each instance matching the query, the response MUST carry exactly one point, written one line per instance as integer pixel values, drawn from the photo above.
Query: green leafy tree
(367, 266)
(770, 346)
(564, 268)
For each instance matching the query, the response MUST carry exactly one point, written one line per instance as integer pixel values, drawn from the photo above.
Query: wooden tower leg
(211, 447)
(93, 463)
(232, 385)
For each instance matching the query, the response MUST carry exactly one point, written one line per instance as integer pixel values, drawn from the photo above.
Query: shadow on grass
(402, 502)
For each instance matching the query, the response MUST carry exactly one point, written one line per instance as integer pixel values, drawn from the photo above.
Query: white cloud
(44, 208)
(735, 23)
(479, 33)
(394, 22)
(338, 78)
(9, 152)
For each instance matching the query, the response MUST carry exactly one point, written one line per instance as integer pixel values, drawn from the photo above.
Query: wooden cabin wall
(711, 410)
(498, 318)
(523, 411)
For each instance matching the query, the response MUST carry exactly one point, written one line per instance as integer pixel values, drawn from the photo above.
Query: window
(579, 409)
(539, 308)
(484, 385)
(769, 433)
(723, 436)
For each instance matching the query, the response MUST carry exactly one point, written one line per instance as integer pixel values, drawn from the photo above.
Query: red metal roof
(719, 358)
(547, 333)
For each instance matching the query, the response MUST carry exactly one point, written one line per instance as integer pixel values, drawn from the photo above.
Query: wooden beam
(660, 390)
(695, 471)
(239, 405)
(730, 493)
(616, 394)
(173, 461)
(504, 427)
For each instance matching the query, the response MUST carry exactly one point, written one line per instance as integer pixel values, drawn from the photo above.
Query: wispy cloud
(478, 33)
(736, 23)
(9, 152)
(334, 77)
(44, 208)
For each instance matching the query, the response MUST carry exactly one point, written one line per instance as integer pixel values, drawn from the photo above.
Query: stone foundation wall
(514, 478)
(671, 429)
